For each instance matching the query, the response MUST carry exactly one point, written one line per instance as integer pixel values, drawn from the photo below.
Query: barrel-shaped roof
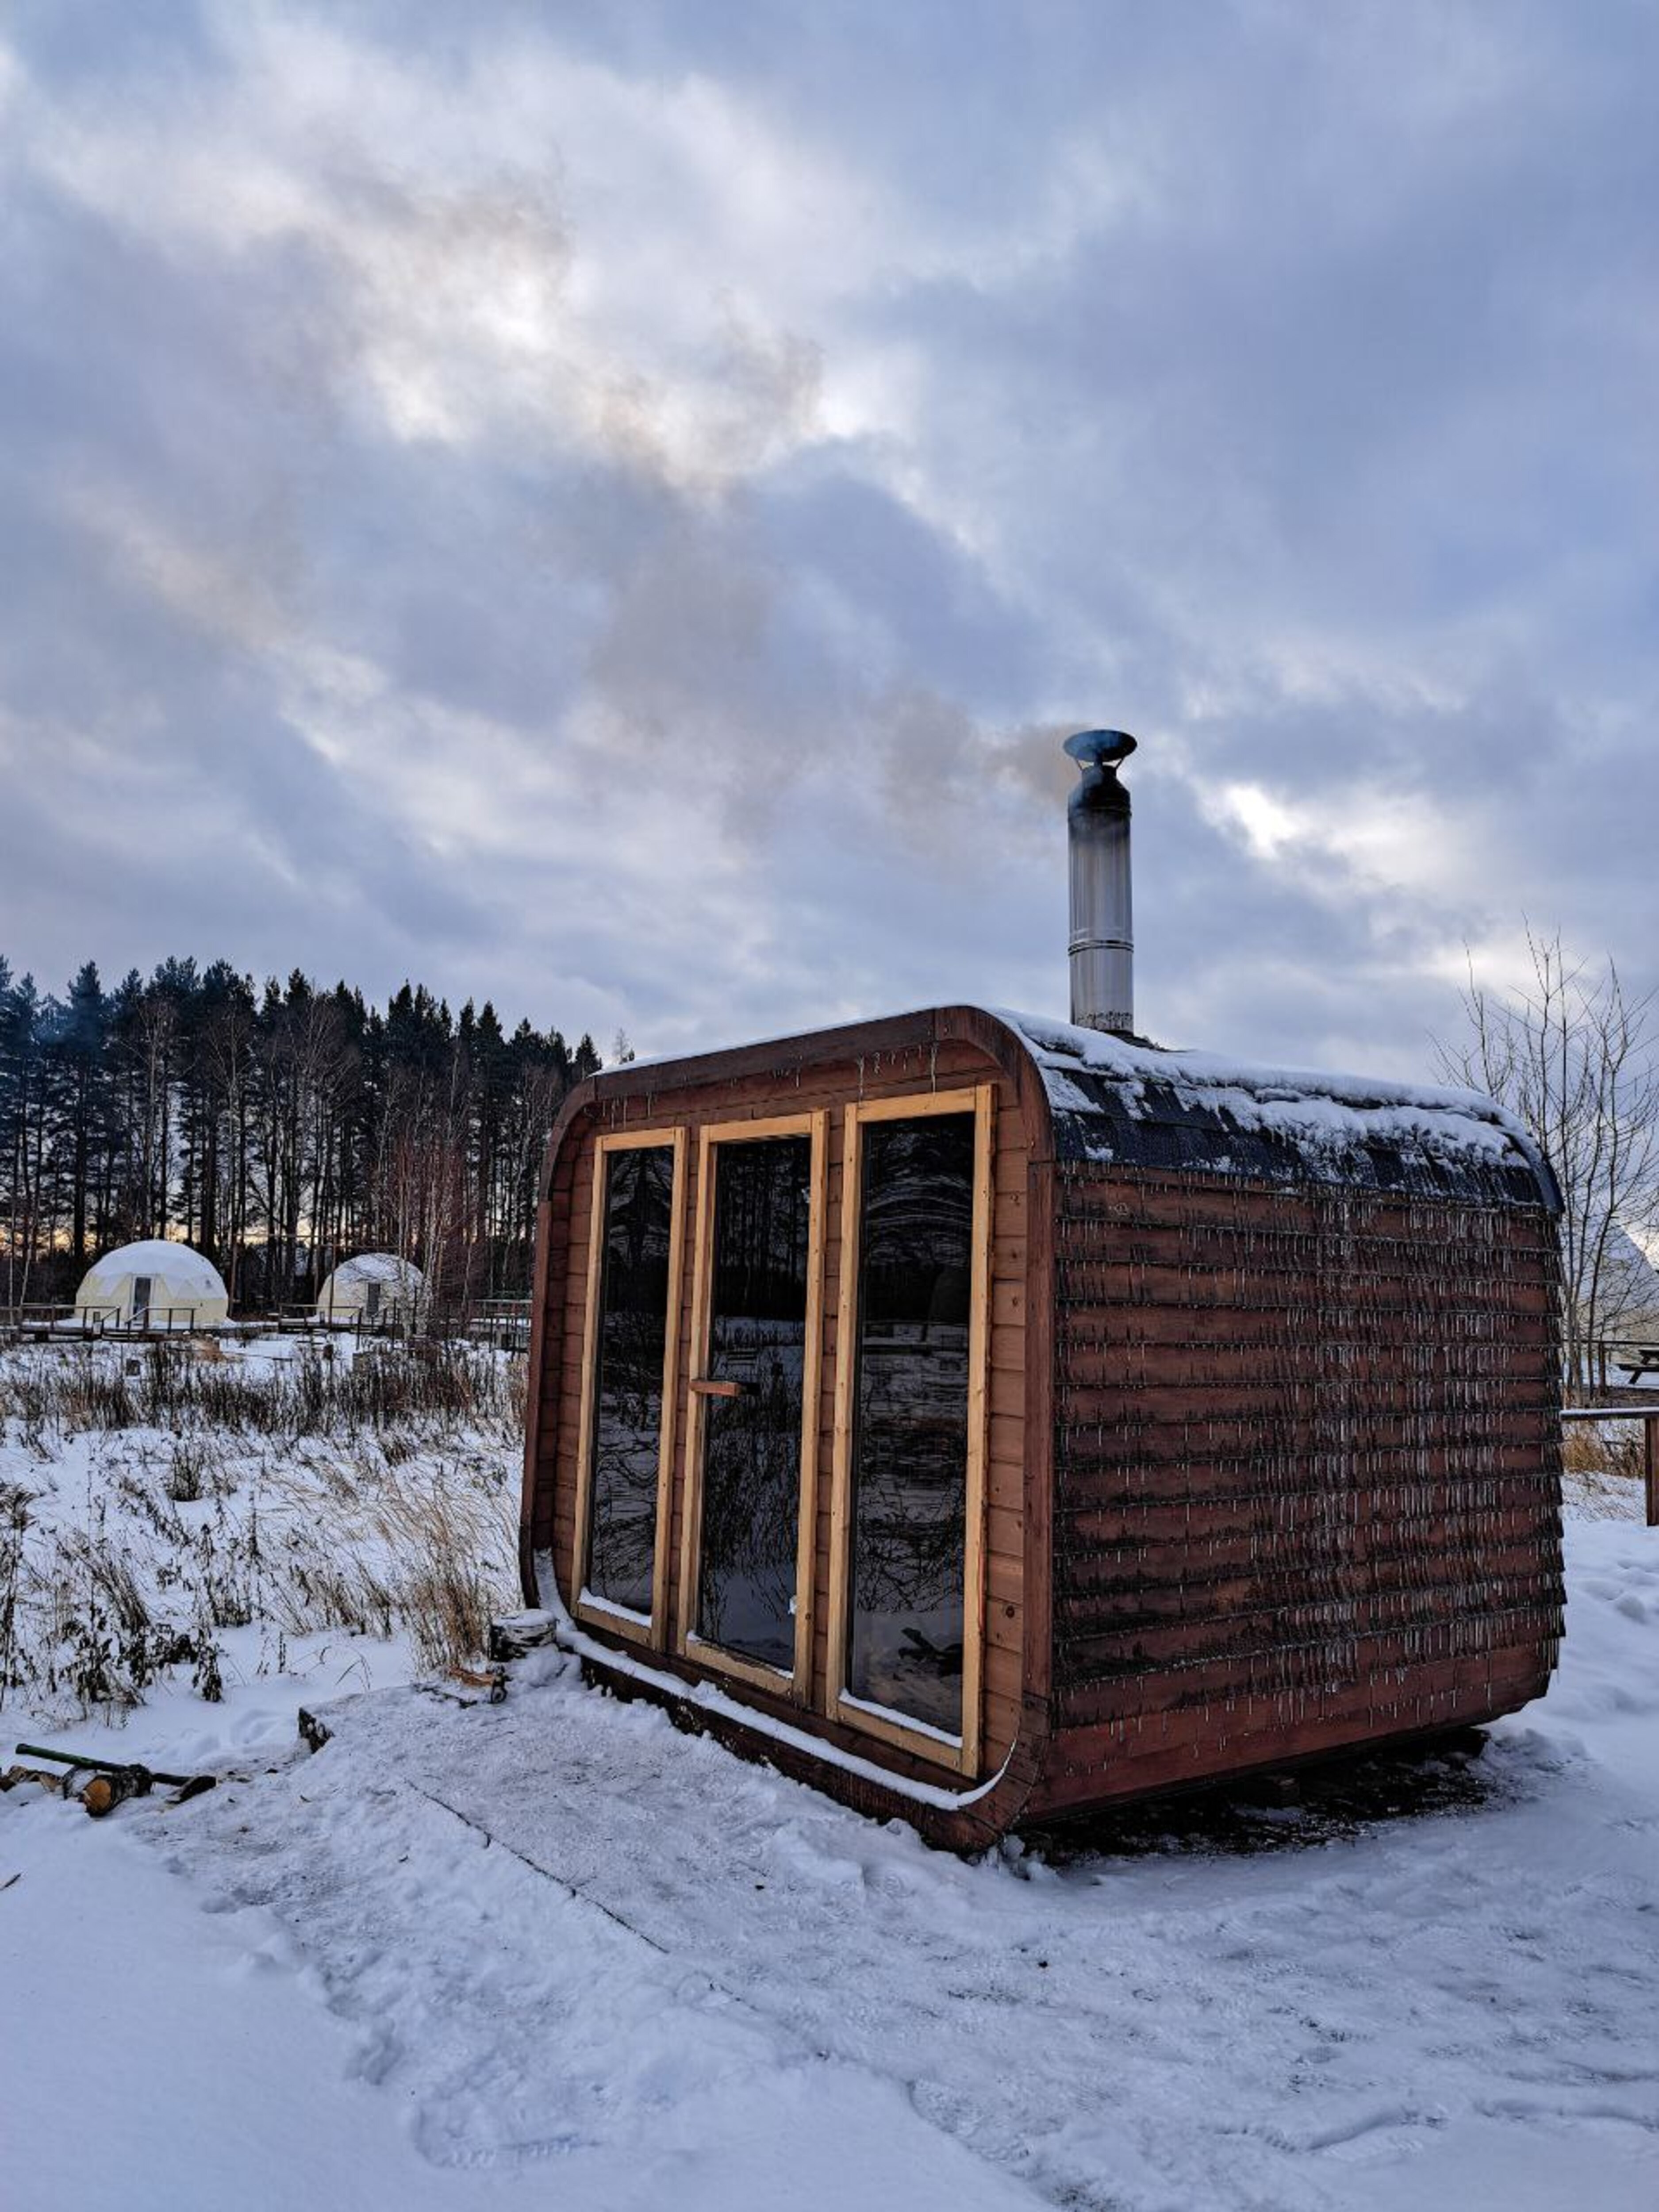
(1128, 1104)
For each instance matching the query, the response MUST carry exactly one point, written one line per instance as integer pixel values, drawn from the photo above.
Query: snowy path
(188, 2058)
(1455, 2009)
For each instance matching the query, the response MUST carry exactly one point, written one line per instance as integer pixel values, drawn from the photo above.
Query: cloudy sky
(612, 509)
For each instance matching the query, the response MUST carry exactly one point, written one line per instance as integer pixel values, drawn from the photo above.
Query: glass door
(753, 1419)
(627, 1425)
(908, 1510)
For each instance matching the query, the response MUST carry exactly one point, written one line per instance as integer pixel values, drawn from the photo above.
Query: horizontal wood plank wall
(1308, 1469)
(947, 1064)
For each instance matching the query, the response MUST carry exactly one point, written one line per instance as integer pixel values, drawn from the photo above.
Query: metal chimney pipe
(1102, 920)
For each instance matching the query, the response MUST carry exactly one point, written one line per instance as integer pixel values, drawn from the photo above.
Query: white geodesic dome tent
(376, 1287)
(153, 1284)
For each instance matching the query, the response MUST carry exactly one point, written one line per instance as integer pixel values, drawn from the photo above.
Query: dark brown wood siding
(1307, 1472)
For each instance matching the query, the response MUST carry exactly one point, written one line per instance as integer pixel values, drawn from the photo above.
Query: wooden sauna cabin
(987, 1419)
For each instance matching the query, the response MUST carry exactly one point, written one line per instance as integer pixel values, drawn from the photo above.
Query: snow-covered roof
(1141, 1105)
(178, 1265)
(1113, 1099)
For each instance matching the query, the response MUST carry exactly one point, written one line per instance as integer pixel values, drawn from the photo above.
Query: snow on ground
(554, 1953)
(407, 2020)
(224, 1513)
(675, 1978)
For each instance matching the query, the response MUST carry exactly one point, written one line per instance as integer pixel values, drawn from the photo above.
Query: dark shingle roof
(1138, 1106)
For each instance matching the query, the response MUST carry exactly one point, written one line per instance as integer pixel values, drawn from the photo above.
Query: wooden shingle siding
(1307, 1467)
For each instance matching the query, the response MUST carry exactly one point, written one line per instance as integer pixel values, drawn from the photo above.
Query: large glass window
(634, 1289)
(910, 1441)
(752, 1397)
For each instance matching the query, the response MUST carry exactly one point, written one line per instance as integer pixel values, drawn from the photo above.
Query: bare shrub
(1626, 1452)
(207, 1673)
(1606, 1448)
(30, 1403)
(92, 1395)
(1584, 1449)
(410, 1381)
(516, 1376)
(148, 1504)
(187, 1477)
(14, 1503)
(165, 1387)
(106, 1647)
(109, 1576)
(336, 1594)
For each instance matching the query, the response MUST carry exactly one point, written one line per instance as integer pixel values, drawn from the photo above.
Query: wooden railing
(502, 1324)
(46, 1320)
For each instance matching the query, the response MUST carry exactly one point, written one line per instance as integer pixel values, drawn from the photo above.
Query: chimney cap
(1106, 749)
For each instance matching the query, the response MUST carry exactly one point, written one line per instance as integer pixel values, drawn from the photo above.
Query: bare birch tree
(1576, 1060)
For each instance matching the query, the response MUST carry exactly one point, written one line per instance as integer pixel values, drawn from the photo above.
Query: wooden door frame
(621, 1621)
(798, 1682)
(961, 1752)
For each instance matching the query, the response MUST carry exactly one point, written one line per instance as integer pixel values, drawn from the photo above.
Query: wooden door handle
(705, 1388)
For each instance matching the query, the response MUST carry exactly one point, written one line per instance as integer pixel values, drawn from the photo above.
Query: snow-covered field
(213, 1514)
(554, 1953)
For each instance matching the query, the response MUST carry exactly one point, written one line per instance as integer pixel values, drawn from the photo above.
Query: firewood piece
(78, 1761)
(519, 1633)
(104, 1792)
(493, 1678)
(16, 1775)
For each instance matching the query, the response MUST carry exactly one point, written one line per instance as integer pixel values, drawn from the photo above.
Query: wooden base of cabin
(1224, 1434)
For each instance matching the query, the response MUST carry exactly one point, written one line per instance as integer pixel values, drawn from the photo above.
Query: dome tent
(154, 1284)
(376, 1287)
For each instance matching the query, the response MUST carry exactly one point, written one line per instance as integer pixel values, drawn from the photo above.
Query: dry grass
(1603, 1448)
(163, 1506)
(1604, 1464)
(175, 1385)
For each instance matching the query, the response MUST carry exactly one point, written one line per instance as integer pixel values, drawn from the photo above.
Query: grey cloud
(1283, 393)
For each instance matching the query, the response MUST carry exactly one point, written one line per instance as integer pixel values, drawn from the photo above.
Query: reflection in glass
(639, 1190)
(751, 1452)
(910, 1441)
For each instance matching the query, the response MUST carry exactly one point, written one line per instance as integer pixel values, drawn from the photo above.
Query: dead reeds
(78, 1388)
(178, 1499)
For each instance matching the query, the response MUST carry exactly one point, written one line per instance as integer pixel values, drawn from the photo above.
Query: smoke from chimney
(1102, 920)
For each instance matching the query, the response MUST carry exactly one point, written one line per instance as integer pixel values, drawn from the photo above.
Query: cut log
(519, 1633)
(105, 1792)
